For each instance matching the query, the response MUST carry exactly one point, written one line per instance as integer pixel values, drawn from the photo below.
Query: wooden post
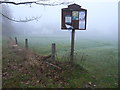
(26, 43)
(72, 46)
(16, 40)
(53, 51)
(10, 38)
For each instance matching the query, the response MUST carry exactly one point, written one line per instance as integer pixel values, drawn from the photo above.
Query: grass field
(98, 56)
(18, 73)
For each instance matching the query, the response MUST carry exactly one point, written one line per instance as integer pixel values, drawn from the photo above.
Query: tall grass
(99, 57)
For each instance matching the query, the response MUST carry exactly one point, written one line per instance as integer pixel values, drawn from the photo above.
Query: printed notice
(82, 24)
(74, 15)
(82, 20)
(81, 15)
(68, 19)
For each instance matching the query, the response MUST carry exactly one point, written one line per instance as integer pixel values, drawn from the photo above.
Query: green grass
(76, 76)
(100, 56)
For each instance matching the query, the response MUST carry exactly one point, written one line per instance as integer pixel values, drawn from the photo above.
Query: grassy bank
(16, 74)
(98, 56)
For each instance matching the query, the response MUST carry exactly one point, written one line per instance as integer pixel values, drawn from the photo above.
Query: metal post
(72, 46)
(16, 40)
(53, 51)
(26, 43)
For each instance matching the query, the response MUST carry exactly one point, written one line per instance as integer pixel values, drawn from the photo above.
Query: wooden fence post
(10, 38)
(72, 46)
(53, 51)
(26, 43)
(16, 40)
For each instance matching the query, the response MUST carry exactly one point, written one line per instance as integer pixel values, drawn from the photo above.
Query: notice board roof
(73, 7)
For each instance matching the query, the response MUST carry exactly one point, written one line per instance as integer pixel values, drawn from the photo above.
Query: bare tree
(35, 2)
(7, 28)
(38, 2)
(7, 17)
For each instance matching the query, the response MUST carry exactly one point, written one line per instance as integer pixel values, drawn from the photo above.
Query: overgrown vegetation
(19, 71)
(100, 59)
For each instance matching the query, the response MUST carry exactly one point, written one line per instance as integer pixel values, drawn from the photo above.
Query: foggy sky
(102, 19)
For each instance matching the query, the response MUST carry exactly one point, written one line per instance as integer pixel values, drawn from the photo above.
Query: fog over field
(95, 49)
(102, 20)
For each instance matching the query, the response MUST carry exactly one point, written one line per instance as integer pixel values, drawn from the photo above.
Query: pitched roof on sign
(74, 6)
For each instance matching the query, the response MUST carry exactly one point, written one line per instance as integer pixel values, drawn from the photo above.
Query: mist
(102, 19)
(40, 54)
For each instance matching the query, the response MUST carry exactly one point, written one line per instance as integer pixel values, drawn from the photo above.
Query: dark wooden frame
(73, 7)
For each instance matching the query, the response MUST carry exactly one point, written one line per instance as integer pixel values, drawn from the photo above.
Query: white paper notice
(82, 20)
(68, 19)
(81, 24)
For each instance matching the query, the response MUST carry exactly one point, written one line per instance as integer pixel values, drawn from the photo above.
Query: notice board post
(73, 18)
(72, 45)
